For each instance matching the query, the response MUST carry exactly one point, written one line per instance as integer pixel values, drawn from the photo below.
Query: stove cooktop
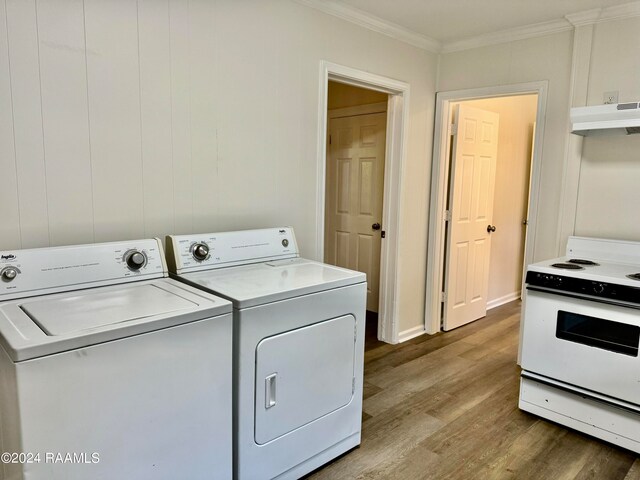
(605, 272)
(615, 262)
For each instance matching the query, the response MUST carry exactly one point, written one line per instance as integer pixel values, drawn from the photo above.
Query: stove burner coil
(567, 266)
(581, 261)
(634, 276)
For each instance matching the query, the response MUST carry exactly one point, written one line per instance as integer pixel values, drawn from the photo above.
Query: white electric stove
(110, 370)
(581, 339)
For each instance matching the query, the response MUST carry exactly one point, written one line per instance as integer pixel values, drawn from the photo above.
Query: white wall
(124, 119)
(609, 186)
(510, 201)
(542, 58)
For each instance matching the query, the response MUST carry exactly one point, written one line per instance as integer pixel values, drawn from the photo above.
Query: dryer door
(302, 375)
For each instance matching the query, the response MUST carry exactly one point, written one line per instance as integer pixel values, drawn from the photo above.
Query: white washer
(298, 347)
(108, 370)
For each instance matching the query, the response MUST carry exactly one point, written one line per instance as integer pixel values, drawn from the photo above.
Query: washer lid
(257, 284)
(84, 311)
(50, 324)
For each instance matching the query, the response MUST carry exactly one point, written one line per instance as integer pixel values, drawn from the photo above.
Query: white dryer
(298, 347)
(109, 370)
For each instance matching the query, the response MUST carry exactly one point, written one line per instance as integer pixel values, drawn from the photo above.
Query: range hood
(612, 119)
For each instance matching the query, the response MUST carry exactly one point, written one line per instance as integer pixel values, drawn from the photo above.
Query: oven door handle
(583, 297)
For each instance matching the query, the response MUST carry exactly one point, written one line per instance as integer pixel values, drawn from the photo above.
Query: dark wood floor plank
(634, 472)
(610, 463)
(383, 440)
(446, 407)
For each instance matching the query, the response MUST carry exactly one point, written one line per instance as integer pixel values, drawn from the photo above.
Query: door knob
(491, 228)
(376, 226)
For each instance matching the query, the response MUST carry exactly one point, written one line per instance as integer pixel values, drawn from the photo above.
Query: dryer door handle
(270, 391)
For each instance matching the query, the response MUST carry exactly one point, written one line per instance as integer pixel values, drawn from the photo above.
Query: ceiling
(453, 20)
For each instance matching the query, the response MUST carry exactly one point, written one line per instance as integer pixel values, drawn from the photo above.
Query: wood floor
(446, 406)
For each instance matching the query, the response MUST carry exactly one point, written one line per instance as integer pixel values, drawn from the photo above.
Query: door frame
(440, 184)
(396, 151)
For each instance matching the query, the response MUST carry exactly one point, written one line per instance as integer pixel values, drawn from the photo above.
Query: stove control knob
(200, 251)
(598, 288)
(9, 274)
(136, 260)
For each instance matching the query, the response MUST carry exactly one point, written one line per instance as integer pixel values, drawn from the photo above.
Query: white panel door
(355, 183)
(473, 169)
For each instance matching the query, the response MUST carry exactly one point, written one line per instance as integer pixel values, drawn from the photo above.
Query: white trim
(403, 34)
(598, 15)
(584, 18)
(372, 22)
(439, 184)
(578, 91)
(358, 110)
(397, 138)
(496, 302)
(411, 333)
(509, 35)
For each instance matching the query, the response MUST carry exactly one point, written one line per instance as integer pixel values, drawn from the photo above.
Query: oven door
(586, 343)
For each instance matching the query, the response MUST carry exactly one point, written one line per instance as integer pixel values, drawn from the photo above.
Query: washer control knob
(200, 251)
(136, 260)
(598, 288)
(9, 274)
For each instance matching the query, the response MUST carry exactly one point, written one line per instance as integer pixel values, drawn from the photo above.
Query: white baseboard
(411, 333)
(502, 300)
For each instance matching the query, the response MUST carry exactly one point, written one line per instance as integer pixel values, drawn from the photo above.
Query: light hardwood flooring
(446, 407)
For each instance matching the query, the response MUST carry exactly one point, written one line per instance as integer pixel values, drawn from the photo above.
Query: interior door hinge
(329, 139)
(453, 129)
(447, 215)
(443, 297)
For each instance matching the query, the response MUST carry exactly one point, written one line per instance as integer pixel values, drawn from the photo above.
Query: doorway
(356, 133)
(397, 117)
(467, 276)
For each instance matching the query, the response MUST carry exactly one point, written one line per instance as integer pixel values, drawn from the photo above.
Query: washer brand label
(8, 257)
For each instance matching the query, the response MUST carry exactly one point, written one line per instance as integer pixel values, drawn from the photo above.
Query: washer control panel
(225, 249)
(24, 273)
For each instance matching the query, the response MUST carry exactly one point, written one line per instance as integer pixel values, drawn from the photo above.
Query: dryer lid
(257, 284)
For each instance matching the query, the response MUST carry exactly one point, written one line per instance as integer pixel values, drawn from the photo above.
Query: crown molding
(377, 24)
(598, 15)
(569, 22)
(506, 36)
(618, 12)
(588, 17)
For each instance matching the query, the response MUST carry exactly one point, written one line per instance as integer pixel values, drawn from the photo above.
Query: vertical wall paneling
(248, 109)
(9, 208)
(204, 108)
(180, 116)
(27, 121)
(155, 102)
(129, 118)
(65, 121)
(114, 112)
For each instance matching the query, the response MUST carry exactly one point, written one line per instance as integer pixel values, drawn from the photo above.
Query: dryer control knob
(136, 260)
(200, 251)
(9, 274)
